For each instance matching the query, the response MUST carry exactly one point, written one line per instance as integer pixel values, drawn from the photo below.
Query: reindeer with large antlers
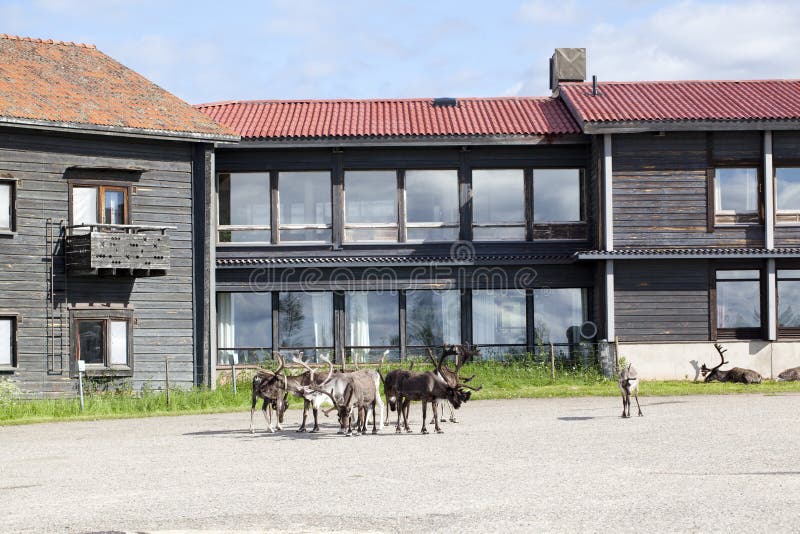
(737, 374)
(271, 387)
(463, 354)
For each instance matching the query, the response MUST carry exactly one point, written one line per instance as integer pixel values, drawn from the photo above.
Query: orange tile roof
(46, 82)
(393, 118)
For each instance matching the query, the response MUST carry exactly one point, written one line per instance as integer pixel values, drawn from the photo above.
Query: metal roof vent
(445, 102)
(567, 65)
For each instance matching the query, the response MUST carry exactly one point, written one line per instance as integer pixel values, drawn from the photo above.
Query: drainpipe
(212, 275)
(608, 231)
(769, 238)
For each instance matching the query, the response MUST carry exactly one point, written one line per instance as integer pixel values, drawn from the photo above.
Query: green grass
(526, 379)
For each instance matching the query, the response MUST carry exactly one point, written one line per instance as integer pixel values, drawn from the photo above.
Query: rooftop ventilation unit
(445, 102)
(567, 65)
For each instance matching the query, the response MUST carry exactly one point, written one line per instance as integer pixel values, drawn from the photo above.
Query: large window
(104, 339)
(305, 206)
(7, 194)
(787, 194)
(498, 200)
(370, 206)
(431, 205)
(433, 318)
(8, 338)
(738, 295)
(99, 204)
(559, 315)
(789, 301)
(736, 195)
(499, 321)
(557, 195)
(244, 208)
(372, 325)
(244, 327)
(306, 323)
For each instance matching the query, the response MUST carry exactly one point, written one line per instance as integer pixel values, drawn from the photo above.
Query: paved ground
(691, 464)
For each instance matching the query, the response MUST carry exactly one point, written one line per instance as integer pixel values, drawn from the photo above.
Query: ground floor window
(372, 325)
(738, 296)
(8, 348)
(789, 301)
(306, 323)
(103, 339)
(433, 318)
(244, 327)
(499, 321)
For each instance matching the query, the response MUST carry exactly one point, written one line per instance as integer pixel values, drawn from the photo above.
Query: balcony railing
(118, 249)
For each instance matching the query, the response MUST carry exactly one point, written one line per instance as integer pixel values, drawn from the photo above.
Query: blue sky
(211, 51)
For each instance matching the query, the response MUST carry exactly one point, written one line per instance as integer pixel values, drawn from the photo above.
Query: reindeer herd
(356, 394)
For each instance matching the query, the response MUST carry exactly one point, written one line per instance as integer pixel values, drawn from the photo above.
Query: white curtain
(322, 309)
(5, 342)
(451, 316)
(5, 206)
(226, 332)
(84, 205)
(484, 316)
(358, 313)
(119, 342)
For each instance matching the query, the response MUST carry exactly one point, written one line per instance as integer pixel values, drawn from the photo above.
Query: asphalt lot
(716, 463)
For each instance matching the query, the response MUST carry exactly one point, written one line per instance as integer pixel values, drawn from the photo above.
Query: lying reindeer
(402, 387)
(737, 374)
(361, 395)
(629, 384)
(790, 375)
(335, 386)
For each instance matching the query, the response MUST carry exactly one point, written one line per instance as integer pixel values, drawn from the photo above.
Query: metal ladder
(56, 302)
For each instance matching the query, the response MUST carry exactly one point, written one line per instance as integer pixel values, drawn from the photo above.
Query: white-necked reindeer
(629, 385)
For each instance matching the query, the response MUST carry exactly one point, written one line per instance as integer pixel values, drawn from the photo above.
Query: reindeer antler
(721, 352)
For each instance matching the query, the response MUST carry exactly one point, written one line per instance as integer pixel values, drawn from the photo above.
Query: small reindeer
(737, 374)
(790, 375)
(629, 384)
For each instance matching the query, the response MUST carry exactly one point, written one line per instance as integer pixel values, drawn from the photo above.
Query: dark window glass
(789, 298)
(738, 299)
(433, 318)
(91, 334)
(558, 314)
(498, 317)
(244, 201)
(498, 200)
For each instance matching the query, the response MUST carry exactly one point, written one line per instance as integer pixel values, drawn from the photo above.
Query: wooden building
(103, 242)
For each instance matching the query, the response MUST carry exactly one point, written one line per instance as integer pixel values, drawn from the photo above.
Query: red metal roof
(76, 85)
(311, 119)
(685, 100)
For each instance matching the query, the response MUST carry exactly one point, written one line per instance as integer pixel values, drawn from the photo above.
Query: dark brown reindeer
(790, 375)
(463, 354)
(737, 374)
(271, 387)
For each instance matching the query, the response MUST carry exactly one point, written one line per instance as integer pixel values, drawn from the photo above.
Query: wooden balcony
(117, 250)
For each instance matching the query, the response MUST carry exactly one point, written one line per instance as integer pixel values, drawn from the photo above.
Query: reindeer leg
(636, 396)
(424, 409)
(406, 410)
(436, 418)
(374, 414)
(452, 412)
(399, 408)
(305, 417)
(315, 412)
(268, 415)
(378, 406)
(623, 405)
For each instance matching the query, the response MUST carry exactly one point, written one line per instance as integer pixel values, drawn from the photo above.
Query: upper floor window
(8, 341)
(370, 206)
(738, 295)
(498, 204)
(736, 197)
(7, 194)
(431, 205)
(305, 206)
(99, 204)
(244, 208)
(787, 194)
(557, 195)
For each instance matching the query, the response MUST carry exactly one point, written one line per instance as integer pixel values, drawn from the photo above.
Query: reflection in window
(305, 206)
(788, 298)
(244, 207)
(103, 342)
(787, 188)
(736, 190)
(432, 205)
(433, 318)
(244, 327)
(370, 206)
(556, 195)
(498, 200)
(738, 299)
(306, 322)
(558, 314)
(498, 319)
(91, 335)
(371, 323)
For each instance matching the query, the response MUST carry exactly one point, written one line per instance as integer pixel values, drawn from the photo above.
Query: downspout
(608, 231)
(769, 244)
(212, 275)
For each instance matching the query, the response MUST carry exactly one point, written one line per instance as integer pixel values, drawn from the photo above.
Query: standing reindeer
(629, 385)
(737, 374)
(462, 355)
(271, 387)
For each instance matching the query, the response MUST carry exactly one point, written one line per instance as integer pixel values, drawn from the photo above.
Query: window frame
(106, 316)
(15, 319)
(220, 349)
(527, 203)
(13, 183)
(219, 228)
(102, 186)
(784, 217)
(275, 201)
(426, 225)
(397, 225)
(785, 332)
(276, 334)
(727, 218)
(747, 333)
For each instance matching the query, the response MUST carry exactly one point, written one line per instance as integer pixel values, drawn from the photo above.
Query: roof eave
(694, 255)
(427, 140)
(115, 130)
(619, 127)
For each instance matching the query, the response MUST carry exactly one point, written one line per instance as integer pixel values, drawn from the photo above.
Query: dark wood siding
(661, 190)
(163, 307)
(664, 300)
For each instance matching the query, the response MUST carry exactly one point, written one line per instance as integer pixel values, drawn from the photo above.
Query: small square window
(8, 342)
(103, 340)
(736, 195)
(100, 204)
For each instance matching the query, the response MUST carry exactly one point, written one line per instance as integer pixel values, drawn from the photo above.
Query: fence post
(166, 378)
(552, 362)
(233, 376)
(616, 355)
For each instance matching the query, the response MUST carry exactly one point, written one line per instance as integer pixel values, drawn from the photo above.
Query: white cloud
(550, 12)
